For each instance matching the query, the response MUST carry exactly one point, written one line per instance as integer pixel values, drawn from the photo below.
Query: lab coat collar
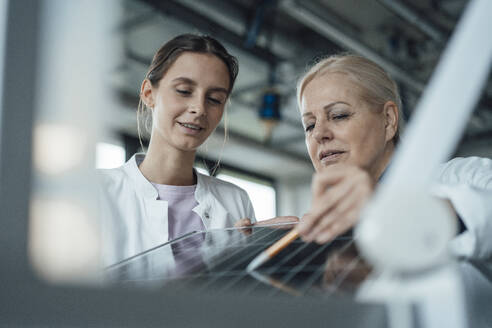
(208, 205)
(146, 188)
(142, 185)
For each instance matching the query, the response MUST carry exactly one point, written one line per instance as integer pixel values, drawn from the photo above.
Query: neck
(167, 165)
(378, 170)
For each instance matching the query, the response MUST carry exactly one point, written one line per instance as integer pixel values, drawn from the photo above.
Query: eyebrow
(328, 107)
(193, 83)
(184, 80)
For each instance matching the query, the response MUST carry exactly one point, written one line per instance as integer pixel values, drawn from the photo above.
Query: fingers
(279, 222)
(343, 216)
(324, 179)
(338, 198)
(337, 228)
(326, 203)
(245, 222)
(278, 219)
(335, 222)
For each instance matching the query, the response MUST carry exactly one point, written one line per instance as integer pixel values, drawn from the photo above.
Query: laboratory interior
(246, 163)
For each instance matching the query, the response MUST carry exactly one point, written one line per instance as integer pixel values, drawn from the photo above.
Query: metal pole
(18, 50)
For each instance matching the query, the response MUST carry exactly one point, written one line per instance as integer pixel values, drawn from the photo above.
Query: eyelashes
(183, 92)
(211, 100)
(336, 117)
(215, 101)
(340, 116)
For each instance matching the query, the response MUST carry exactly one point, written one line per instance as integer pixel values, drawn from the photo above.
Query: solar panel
(216, 260)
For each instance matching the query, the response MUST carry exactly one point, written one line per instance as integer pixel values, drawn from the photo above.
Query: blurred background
(71, 75)
(79, 69)
(265, 152)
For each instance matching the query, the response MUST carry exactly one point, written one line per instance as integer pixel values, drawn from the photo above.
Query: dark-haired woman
(158, 196)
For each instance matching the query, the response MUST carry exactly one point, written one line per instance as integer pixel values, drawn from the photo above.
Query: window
(261, 192)
(109, 155)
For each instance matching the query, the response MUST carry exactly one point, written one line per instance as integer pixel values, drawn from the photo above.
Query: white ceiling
(147, 24)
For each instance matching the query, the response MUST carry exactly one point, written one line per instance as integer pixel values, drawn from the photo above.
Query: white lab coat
(133, 220)
(467, 183)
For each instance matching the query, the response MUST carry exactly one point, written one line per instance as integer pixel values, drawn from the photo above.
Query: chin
(192, 144)
(325, 164)
(331, 162)
(189, 148)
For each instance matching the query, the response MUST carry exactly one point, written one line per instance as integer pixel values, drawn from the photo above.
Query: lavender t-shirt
(181, 201)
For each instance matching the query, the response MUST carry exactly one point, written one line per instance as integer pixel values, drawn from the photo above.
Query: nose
(322, 132)
(197, 106)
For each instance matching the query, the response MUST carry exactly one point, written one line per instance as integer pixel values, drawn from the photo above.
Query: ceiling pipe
(310, 19)
(415, 19)
(207, 25)
(230, 15)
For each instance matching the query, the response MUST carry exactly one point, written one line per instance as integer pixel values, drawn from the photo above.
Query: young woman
(158, 196)
(350, 112)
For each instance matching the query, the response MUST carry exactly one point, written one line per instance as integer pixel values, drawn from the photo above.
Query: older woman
(350, 111)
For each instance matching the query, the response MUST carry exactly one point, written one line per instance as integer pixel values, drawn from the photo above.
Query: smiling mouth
(329, 156)
(191, 126)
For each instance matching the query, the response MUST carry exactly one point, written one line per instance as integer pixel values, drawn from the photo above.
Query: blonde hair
(376, 86)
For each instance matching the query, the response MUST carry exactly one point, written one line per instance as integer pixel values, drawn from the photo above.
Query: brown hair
(376, 86)
(167, 55)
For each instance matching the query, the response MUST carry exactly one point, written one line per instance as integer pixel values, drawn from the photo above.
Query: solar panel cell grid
(215, 261)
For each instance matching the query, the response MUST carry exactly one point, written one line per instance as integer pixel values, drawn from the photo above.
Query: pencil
(273, 250)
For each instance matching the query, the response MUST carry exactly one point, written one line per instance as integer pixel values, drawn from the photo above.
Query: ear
(147, 94)
(391, 116)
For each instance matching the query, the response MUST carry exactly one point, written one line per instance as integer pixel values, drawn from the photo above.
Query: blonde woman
(350, 111)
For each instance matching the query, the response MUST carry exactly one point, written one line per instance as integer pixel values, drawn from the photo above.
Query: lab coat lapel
(209, 208)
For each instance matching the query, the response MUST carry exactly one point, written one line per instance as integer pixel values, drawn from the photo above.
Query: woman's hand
(278, 219)
(339, 193)
(246, 222)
